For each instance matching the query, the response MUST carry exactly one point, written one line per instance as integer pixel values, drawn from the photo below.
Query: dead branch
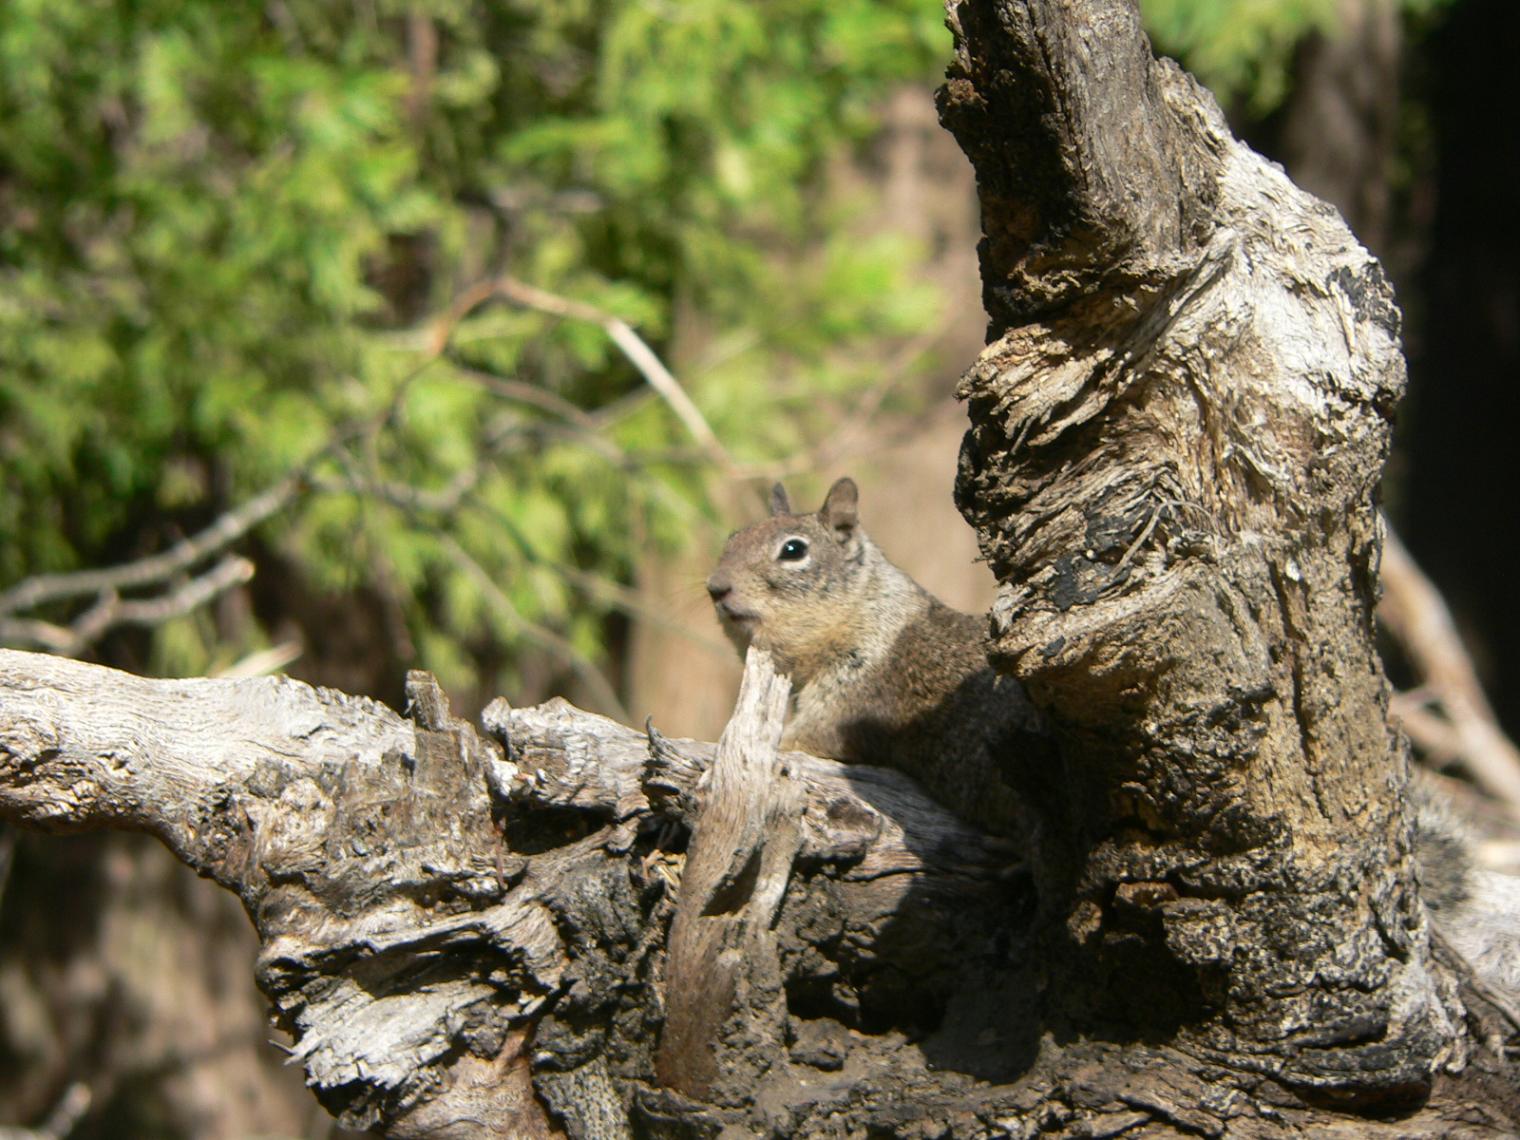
(632, 346)
(447, 922)
(1416, 614)
(70, 1109)
(111, 611)
(465, 935)
(723, 973)
(227, 529)
(596, 682)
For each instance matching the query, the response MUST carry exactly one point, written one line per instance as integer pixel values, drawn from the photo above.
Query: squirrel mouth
(742, 619)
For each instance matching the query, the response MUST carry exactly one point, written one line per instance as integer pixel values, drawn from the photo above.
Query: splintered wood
(722, 962)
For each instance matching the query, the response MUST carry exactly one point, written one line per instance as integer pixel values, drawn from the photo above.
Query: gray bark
(466, 934)
(557, 925)
(722, 938)
(1177, 433)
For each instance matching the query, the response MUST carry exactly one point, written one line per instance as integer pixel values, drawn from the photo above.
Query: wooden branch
(638, 353)
(1416, 614)
(1086, 149)
(111, 611)
(361, 844)
(723, 977)
(229, 527)
(452, 927)
(70, 1108)
(465, 936)
(863, 823)
(1176, 435)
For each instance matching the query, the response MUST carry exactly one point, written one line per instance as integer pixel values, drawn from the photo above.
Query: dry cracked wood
(465, 936)
(722, 968)
(1178, 428)
(361, 844)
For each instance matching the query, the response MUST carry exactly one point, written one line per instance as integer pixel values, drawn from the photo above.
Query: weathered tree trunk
(562, 926)
(1177, 433)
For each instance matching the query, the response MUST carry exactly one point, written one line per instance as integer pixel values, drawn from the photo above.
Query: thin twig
(67, 1113)
(1431, 732)
(856, 429)
(600, 688)
(111, 610)
(616, 596)
(445, 500)
(1414, 612)
(663, 382)
(629, 343)
(262, 662)
(228, 528)
(69, 1110)
(35, 632)
(521, 392)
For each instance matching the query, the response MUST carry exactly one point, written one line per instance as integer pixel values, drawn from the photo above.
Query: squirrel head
(796, 584)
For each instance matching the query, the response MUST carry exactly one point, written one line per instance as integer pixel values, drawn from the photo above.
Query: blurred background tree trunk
(120, 969)
(1458, 481)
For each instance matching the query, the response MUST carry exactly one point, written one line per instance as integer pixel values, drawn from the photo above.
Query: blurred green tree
(1243, 50)
(239, 241)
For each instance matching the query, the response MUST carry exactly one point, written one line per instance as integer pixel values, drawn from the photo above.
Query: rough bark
(722, 942)
(1176, 436)
(1177, 432)
(348, 834)
(466, 935)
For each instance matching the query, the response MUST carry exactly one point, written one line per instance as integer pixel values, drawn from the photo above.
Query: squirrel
(882, 671)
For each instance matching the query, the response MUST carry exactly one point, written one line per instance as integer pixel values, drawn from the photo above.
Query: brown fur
(882, 672)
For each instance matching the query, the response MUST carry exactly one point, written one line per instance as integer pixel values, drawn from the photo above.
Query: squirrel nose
(718, 588)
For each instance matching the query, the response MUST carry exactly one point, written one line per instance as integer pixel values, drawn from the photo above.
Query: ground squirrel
(882, 672)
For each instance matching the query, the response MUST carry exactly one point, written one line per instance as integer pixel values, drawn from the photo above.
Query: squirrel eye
(793, 550)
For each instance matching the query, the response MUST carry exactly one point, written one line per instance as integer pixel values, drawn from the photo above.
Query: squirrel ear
(780, 505)
(839, 511)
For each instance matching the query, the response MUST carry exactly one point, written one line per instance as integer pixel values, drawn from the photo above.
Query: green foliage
(1243, 49)
(227, 230)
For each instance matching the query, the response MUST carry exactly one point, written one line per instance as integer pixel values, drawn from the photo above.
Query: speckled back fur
(1477, 910)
